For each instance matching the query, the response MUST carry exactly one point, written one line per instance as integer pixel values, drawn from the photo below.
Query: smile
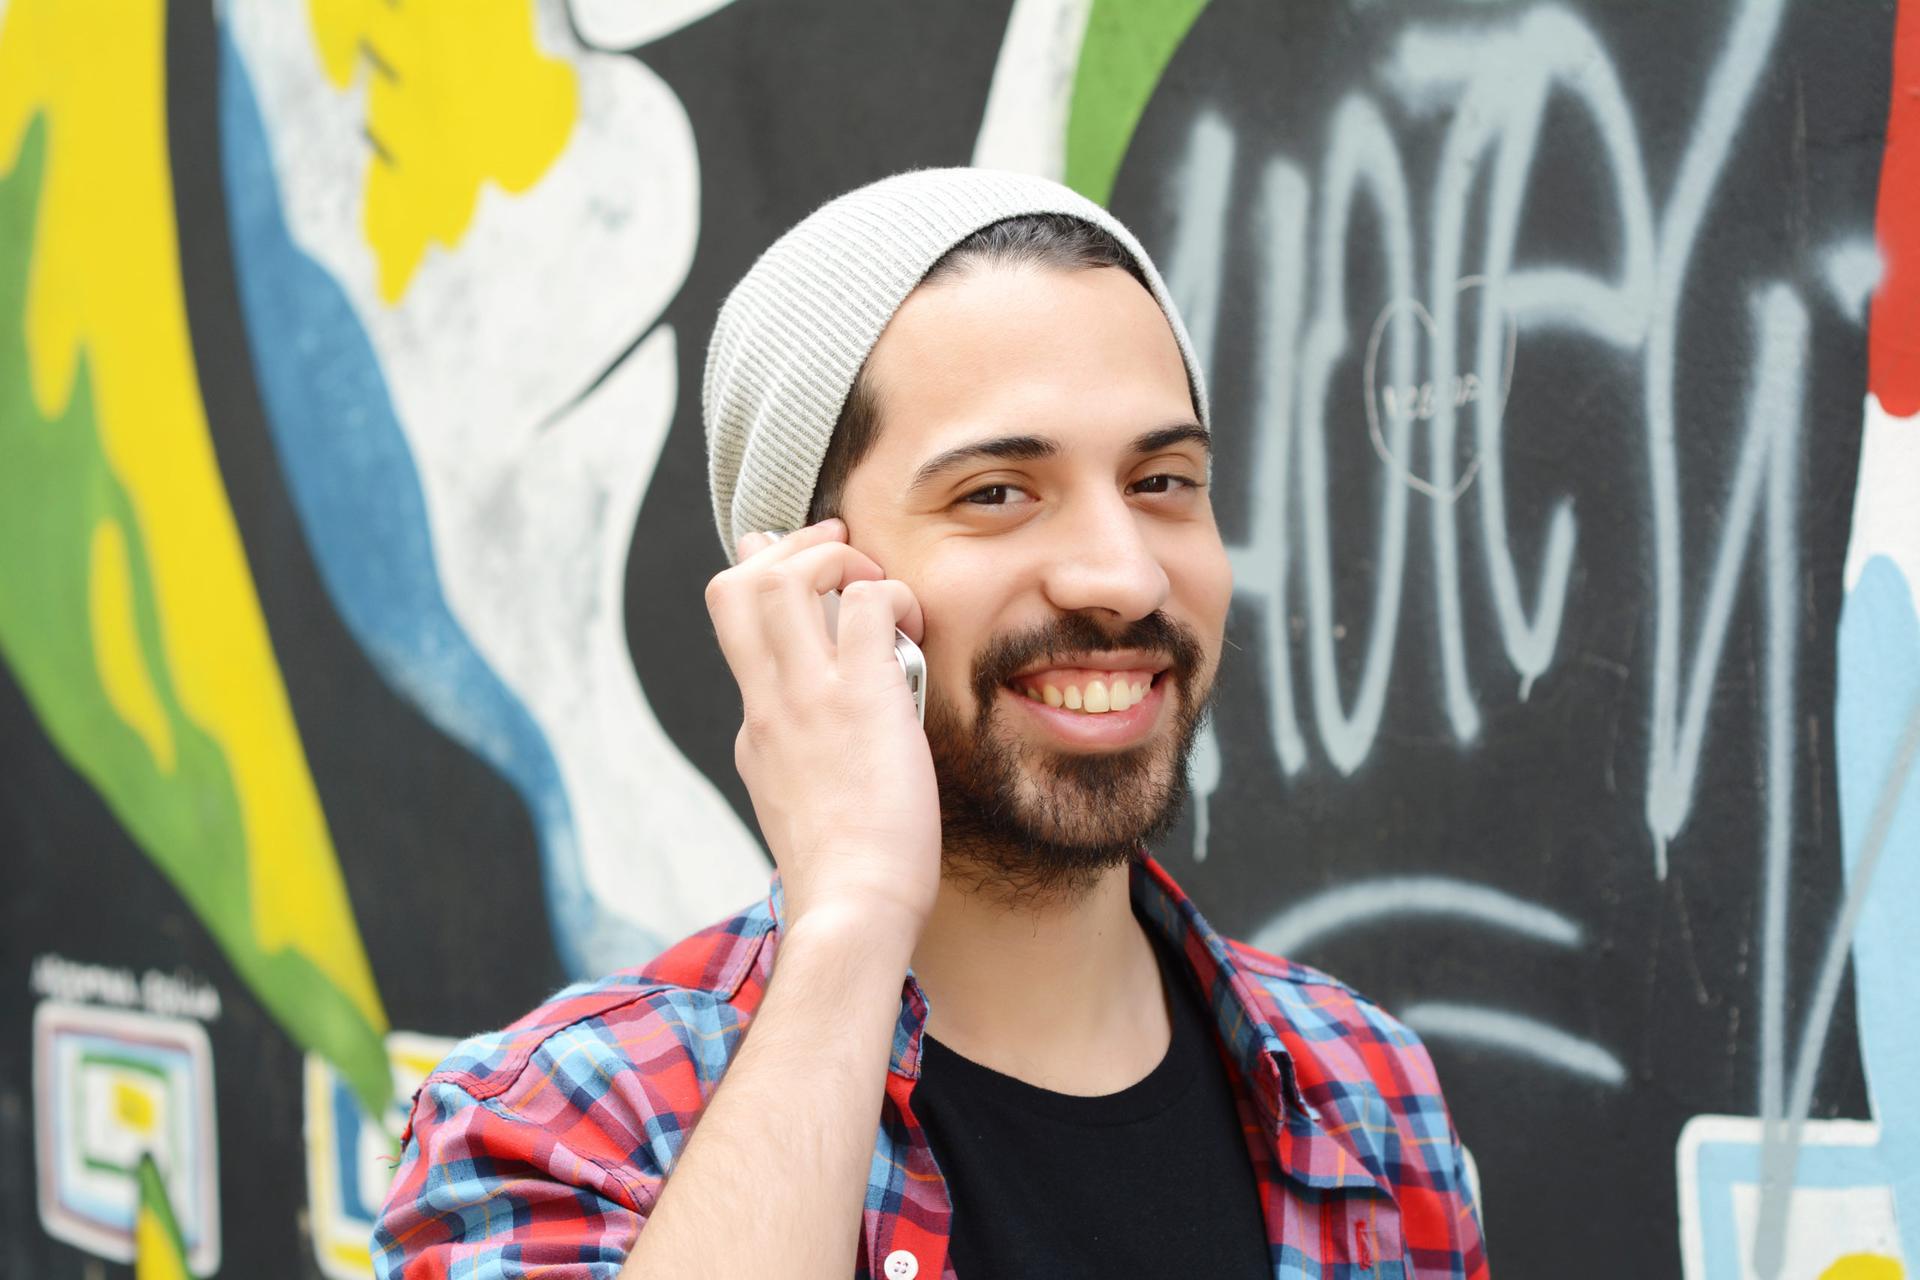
(1089, 691)
(1104, 709)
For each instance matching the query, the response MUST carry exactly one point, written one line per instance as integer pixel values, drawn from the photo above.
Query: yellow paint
(156, 1254)
(357, 1257)
(106, 285)
(457, 94)
(134, 1107)
(116, 644)
(1864, 1266)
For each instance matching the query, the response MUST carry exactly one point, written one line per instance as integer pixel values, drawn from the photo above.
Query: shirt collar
(1307, 1150)
(1248, 1035)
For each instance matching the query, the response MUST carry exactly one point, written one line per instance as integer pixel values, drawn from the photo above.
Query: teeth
(1096, 697)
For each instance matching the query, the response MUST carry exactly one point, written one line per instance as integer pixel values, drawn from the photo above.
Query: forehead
(1084, 357)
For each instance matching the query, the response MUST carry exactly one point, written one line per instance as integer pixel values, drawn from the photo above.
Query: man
(989, 1036)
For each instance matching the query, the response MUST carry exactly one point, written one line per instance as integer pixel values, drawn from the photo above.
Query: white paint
(1203, 779)
(532, 492)
(1205, 181)
(618, 26)
(1886, 497)
(1852, 271)
(1261, 566)
(1024, 126)
(1519, 1035)
(1332, 912)
(1361, 155)
(181, 993)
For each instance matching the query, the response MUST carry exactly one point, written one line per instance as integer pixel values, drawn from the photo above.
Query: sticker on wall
(112, 1088)
(351, 1156)
(1840, 1221)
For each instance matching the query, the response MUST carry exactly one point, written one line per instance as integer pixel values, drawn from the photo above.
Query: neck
(1062, 992)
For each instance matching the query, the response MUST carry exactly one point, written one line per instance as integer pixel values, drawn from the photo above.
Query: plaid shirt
(540, 1150)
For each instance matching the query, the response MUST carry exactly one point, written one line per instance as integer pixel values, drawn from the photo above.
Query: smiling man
(976, 1029)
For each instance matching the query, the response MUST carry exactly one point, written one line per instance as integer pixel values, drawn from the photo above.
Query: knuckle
(755, 727)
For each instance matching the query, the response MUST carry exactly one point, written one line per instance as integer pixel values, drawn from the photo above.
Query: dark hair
(1056, 240)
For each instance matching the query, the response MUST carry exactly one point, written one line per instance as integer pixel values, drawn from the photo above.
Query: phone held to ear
(913, 663)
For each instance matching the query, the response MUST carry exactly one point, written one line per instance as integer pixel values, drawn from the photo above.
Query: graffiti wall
(356, 692)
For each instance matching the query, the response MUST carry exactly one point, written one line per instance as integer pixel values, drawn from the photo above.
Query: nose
(1104, 560)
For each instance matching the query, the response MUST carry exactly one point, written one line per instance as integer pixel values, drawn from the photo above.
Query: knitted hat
(791, 337)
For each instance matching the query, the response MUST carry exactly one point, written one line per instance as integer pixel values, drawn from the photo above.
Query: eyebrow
(1033, 448)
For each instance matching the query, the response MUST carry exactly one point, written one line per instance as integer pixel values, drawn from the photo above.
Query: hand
(830, 746)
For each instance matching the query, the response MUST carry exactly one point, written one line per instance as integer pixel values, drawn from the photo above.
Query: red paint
(1893, 333)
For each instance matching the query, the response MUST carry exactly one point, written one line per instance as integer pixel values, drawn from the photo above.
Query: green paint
(154, 1201)
(55, 487)
(124, 1063)
(1127, 47)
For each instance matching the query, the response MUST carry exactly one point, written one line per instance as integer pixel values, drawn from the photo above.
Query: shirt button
(901, 1265)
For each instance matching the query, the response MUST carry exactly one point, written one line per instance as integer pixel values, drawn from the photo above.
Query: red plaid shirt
(540, 1150)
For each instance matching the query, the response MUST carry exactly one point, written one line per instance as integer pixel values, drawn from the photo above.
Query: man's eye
(1173, 483)
(993, 495)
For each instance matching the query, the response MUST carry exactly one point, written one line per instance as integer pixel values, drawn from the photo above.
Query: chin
(1067, 821)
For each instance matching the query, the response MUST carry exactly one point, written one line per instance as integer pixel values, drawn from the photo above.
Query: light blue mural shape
(1877, 728)
(359, 500)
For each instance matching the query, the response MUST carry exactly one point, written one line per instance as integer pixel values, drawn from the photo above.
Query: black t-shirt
(1153, 1181)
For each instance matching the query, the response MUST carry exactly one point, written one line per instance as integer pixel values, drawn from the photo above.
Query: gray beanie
(791, 337)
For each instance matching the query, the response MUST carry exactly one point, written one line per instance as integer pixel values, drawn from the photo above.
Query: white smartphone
(913, 663)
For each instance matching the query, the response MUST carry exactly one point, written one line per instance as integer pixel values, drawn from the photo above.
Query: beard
(1024, 824)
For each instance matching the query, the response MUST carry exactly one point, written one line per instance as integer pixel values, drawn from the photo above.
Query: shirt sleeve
(483, 1194)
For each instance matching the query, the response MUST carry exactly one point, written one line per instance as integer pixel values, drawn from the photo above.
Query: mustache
(1076, 635)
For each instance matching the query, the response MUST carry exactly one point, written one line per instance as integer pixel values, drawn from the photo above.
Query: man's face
(1038, 483)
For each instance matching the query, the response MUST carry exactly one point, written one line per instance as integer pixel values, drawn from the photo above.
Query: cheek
(951, 642)
(1206, 581)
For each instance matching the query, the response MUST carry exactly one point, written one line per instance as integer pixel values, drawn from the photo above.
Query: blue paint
(1879, 688)
(357, 492)
(347, 1119)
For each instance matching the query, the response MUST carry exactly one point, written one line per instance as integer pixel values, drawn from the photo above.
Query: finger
(756, 545)
(732, 594)
(828, 566)
(792, 621)
(870, 612)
